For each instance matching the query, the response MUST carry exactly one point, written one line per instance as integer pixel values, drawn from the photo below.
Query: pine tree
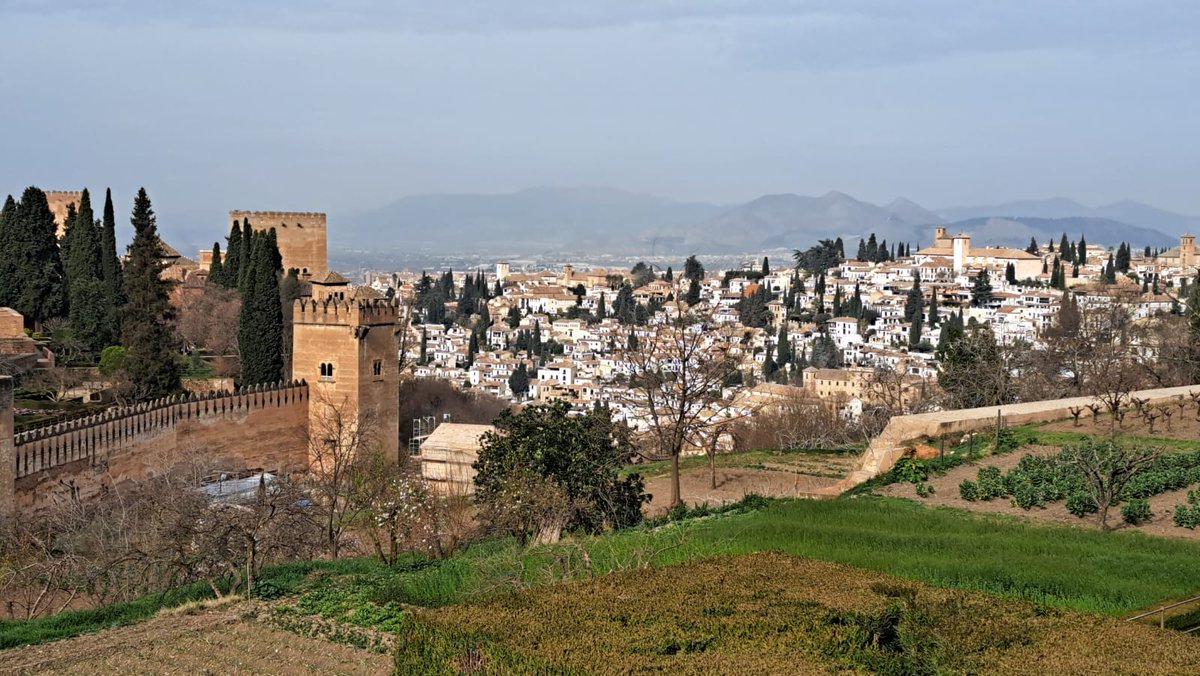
(147, 313)
(32, 249)
(693, 293)
(693, 269)
(518, 382)
(260, 321)
(981, 289)
(110, 264)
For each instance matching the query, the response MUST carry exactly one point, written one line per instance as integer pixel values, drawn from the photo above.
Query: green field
(1056, 566)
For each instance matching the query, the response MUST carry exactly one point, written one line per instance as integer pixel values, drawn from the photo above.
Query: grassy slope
(1075, 568)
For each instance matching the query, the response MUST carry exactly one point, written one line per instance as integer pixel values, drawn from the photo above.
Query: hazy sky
(302, 105)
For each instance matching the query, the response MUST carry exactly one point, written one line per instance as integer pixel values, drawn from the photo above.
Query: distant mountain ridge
(608, 220)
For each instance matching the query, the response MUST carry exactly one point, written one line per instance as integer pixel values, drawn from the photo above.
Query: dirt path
(215, 641)
(946, 493)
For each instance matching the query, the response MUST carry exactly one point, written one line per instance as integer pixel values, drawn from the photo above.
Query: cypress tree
(81, 244)
(914, 331)
(147, 313)
(872, 249)
(1081, 258)
(862, 250)
(423, 358)
(766, 267)
(783, 347)
(1066, 250)
(1010, 273)
(246, 262)
(8, 279)
(472, 349)
(915, 301)
(601, 310)
(1124, 257)
(934, 319)
(1033, 246)
(260, 322)
(33, 246)
(232, 266)
(216, 269)
(769, 366)
(110, 265)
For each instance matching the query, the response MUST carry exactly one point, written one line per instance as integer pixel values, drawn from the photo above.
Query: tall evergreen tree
(518, 382)
(914, 331)
(260, 321)
(472, 349)
(246, 264)
(9, 284)
(783, 346)
(93, 310)
(1081, 257)
(915, 302)
(110, 264)
(1124, 258)
(231, 268)
(32, 249)
(766, 267)
(981, 289)
(693, 269)
(693, 292)
(147, 313)
(601, 308)
(934, 318)
(769, 366)
(1033, 246)
(841, 248)
(216, 268)
(1010, 273)
(1066, 250)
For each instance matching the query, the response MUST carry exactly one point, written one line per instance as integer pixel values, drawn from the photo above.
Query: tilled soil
(216, 641)
(946, 493)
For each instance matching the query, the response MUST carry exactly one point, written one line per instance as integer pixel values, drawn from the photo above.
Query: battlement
(57, 444)
(341, 312)
(305, 215)
(64, 193)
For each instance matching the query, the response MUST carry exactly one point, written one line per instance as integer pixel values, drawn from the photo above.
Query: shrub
(911, 470)
(1081, 504)
(968, 490)
(991, 483)
(1187, 516)
(1027, 496)
(1136, 511)
(924, 490)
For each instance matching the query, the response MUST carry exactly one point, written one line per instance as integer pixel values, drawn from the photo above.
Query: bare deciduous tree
(676, 385)
(1107, 467)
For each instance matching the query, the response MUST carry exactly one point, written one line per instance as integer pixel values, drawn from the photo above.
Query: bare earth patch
(216, 641)
(1181, 427)
(946, 493)
(784, 477)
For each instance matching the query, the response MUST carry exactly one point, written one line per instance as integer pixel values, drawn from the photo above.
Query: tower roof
(330, 278)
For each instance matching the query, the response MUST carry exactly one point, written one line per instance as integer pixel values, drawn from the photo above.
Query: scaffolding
(421, 429)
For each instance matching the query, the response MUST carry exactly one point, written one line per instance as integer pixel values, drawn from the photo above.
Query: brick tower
(344, 344)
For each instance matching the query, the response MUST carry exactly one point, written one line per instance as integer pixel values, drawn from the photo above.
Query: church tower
(344, 344)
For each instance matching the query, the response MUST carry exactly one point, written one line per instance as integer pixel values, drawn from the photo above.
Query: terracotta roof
(330, 277)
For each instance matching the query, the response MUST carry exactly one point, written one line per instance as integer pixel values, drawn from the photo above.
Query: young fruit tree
(1106, 467)
(675, 387)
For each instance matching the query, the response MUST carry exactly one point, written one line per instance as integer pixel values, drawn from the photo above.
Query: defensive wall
(301, 236)
(257, 427)
(901, 432)
(59, 200)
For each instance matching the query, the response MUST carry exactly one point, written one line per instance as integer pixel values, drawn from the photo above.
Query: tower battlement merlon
(239, 213)
(63, 193)
(338, 312)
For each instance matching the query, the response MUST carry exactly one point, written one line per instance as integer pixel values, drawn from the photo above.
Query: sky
(341, 107)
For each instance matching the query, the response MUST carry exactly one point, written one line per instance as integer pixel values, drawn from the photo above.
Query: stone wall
(896, 439)
(301, 236)
(59, 200)
(253, 428)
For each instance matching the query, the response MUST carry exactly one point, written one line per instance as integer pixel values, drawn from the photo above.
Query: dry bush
(208, 320)
(797, 422)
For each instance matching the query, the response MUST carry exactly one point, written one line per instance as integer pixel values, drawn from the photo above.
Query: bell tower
(344, 345)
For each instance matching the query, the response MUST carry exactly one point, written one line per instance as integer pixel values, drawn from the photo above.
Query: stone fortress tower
(59, 200)
(301, 236)
(344, 345)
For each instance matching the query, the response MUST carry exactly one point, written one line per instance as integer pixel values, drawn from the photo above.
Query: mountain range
(607, 220)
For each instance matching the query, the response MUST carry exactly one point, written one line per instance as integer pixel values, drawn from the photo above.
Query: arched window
(326, 371)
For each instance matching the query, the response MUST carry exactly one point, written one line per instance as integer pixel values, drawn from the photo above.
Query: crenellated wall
(258, 427)
(301, 237)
